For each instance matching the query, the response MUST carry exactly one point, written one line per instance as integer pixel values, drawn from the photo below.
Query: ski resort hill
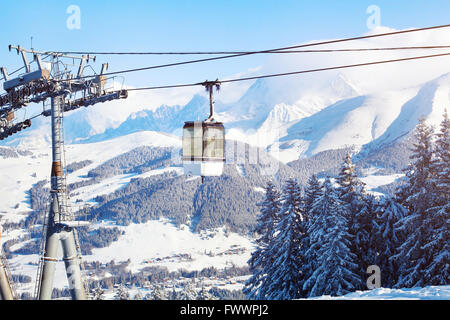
(427, 293)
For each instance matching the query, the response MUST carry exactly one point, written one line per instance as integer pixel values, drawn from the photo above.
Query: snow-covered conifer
(260, 258)
(284, 276)
(351, 192)
(387, 239)
(415, 254)
(122, 293)
(335, 271)
(438, 216)
(312, 192)
(158, 293)
(188, 292)
(204, 294)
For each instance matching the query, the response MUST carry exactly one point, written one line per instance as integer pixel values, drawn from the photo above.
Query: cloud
(371, 78)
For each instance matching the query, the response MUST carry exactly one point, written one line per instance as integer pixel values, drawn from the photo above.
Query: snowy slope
(24, 171)
(355, 121)
(427, 293)
(144, 243)
(155, 243)
(431, 101)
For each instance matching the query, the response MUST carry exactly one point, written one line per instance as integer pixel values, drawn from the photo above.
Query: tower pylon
(60, 218)
(66, 93)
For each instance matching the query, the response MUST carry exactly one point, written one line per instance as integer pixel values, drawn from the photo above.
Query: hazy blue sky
(197, 25)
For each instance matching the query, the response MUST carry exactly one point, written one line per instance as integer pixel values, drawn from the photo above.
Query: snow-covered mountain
(337, 117)
(371, 121)
(333, 117)
(431, 101)
(164, 119)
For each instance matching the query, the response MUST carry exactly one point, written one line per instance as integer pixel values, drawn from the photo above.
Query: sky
(186, 25)
(196, 25)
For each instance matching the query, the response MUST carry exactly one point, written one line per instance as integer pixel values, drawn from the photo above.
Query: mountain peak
(198, 99)
(343, 87)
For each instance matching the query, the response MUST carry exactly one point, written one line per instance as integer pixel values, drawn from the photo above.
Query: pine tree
(335, 272)
(351, 189)
(313, 191)
(363, 230)
(417, 196)
(438, 216)
(261, 258)
(122, 293)
(284, 277)
(359, 215)
(188, 292)
(441, 163)
(158, 293)
(204, 294)
(387, 239)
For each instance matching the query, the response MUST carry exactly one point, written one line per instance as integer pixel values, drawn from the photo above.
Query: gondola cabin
(203, 148)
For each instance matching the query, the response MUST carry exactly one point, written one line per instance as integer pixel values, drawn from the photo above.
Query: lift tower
(66, 93)
(60, 220)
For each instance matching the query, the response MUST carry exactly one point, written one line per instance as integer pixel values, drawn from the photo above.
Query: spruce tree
(351, 189)
(335, 271)
(268, 218)
(122, 293)
(158, 293)
(441, 163)
(260, 259)
(204, 294)
(312, 192)
(417, 196)
(387, 239)
(359, 216)
(364, 229)
(438, 216)
(284, 277)
(188, 293)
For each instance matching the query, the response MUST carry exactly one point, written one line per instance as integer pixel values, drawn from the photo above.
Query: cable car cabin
(203, 148)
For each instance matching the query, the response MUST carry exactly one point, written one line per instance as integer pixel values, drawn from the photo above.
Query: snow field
(160, 243)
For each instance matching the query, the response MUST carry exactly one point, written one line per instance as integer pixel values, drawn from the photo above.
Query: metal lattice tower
(59, 227)
(66, 93)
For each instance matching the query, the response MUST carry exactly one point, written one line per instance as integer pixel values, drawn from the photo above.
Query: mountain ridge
(332, 116)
